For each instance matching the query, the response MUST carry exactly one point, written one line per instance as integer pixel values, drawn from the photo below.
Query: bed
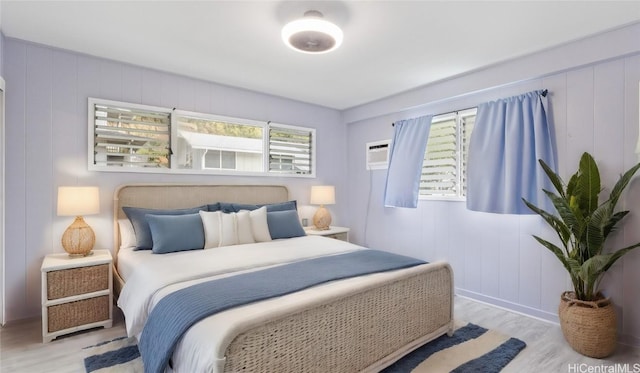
(362, 323)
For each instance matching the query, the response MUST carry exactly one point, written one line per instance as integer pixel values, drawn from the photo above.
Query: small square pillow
(259, 225)
(284, 224)
(219, 229)
(127, 234)
(245, 232)
(171, 233)
(140, 226)
(228, 230)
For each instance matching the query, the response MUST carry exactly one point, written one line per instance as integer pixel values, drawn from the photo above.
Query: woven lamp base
(589, 327)
(79, 238)
(322, 219)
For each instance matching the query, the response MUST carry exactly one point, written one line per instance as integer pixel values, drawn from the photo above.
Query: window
(445, 161)
(290, 150)
(220, 159)
(130, 137)
(214, 142)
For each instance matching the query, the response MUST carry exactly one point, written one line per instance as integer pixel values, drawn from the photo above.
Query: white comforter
(202, 348)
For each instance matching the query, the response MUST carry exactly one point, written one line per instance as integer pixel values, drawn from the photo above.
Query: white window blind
(445, 160)
(129, 136)
(439, 169)
(290, 150)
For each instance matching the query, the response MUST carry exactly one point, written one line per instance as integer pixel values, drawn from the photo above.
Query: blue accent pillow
(283, 206)
(235, 207)
(213, 207)
(227, 207)
(173, 233)
(140, 226)
(284, 224)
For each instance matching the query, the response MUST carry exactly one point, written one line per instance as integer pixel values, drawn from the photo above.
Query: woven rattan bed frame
(363, 329)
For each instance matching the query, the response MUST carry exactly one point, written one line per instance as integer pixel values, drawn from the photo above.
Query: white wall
(593, 86)
(46, 134)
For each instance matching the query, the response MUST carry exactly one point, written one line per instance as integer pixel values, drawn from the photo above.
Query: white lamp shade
(323, 195)
(78, 201)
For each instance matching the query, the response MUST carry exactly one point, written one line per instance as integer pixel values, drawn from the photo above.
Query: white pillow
(211, 225)
(220, 229)
(244, 229)
(259, 225)
(127, 234)
(228, 230)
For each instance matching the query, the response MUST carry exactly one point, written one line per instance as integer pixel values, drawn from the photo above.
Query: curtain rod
(544, 94)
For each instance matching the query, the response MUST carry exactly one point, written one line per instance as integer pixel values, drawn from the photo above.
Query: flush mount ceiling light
(312, 34)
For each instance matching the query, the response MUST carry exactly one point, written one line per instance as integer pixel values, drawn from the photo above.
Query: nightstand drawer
(339, 233)
(72, 314)
(339, 236)
(75, 281)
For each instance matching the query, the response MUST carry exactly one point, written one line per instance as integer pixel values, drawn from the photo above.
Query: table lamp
(78, 239)
(322, 195)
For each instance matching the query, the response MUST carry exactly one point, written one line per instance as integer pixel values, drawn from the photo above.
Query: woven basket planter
(589, 327)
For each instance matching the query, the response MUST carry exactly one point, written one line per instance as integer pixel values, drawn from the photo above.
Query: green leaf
(593, 268)
(572, 218)
(555, 179)
(610, 225)
(588, 184)
(613, 257)
(557, 251)
(594, 235)
(571, 186)
(622, 184)
(564, 233)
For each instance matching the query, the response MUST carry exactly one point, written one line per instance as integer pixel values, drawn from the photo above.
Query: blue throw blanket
(178, 311)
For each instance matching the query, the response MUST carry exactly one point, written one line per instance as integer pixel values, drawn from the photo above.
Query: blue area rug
(471, 349)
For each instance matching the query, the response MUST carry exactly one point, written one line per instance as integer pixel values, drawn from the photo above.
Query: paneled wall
(594, 108)
(46, 136)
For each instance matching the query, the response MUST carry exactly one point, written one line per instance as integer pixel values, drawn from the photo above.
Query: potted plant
(583, 224)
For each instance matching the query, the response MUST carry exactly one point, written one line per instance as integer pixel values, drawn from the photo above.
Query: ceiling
(389, 46)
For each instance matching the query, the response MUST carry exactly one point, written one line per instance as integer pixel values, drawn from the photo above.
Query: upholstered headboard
(175, 196)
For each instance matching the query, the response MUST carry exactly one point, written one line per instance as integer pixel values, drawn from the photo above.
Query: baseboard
(510, 306)
(629, 340)
(624, 339)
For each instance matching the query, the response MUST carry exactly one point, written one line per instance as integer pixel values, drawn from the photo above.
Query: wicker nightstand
(339, 233)
(76, 293)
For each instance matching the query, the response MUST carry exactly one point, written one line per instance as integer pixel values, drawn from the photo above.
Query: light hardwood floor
(22, 350)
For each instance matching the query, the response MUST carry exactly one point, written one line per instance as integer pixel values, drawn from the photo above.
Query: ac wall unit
(378, 154)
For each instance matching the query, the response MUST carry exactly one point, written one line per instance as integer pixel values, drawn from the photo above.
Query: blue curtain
(405, 162)
(509, 137)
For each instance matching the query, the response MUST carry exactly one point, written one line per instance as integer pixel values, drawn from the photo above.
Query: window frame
(173, 143)
(460, 162)
(92, 135)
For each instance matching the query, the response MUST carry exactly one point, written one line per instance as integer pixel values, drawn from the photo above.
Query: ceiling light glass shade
(312, 34)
